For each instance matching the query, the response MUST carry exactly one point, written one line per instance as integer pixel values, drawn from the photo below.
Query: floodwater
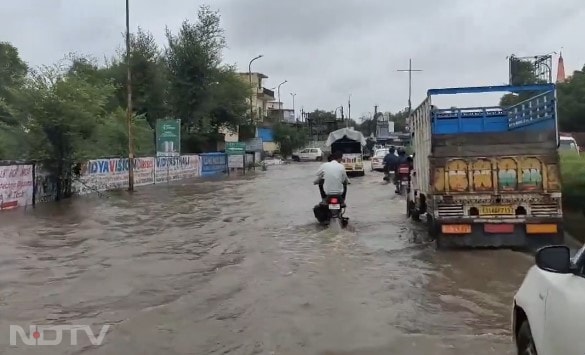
(239, 266)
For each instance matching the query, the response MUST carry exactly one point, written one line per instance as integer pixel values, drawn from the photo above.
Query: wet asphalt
(238, 265)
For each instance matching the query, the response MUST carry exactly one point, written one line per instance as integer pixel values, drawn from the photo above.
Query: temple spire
(561, 69)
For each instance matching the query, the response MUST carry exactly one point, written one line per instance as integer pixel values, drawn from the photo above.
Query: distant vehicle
(378, 159)
(351, 143)
(308, 154)
(489, 176)
(568, 144)
(367, 154)
(549, 307)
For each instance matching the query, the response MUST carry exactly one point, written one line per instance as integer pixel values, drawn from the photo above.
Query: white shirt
(334, 175)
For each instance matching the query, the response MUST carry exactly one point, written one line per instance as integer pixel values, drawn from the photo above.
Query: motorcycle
(331, 212)
(403, 181)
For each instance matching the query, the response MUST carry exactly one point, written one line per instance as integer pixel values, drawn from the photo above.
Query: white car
(549, 308)
(568, 144)
(378, 159)
(308, 154)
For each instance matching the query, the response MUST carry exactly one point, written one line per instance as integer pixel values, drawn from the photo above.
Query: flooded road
(239, 266)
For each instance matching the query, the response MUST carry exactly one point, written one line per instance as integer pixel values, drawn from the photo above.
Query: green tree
(571, 103)
(289, 138)
(12, 75)
(60, 114)
(228, 100)
(368, 125)
(205, 94)
(192, 57)
(320, 116)
(150, 82)
(522, 73)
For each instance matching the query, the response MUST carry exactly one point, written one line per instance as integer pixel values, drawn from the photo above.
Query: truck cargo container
(351, 143)
(488, 176)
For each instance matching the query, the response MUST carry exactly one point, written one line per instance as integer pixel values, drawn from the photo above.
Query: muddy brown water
(238, 266)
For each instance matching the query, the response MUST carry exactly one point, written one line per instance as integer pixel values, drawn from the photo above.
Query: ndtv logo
(53, 334)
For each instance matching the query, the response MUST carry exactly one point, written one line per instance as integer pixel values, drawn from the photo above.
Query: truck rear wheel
(434, 228)
(440, 243)
(414, 212)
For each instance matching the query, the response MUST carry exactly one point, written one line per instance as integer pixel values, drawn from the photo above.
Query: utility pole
(278, 88)
(294, 112)
(409, 70)
(251, 89)
(129, 104)
(348, 111)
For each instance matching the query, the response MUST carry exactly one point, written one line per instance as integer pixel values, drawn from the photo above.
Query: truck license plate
(334, 206)
(456, 228)
(496, 210)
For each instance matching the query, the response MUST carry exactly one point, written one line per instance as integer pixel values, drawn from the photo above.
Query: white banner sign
(16, 186)
(112, 174)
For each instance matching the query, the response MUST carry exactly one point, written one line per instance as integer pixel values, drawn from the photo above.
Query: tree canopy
(290, 138)
(75, 109)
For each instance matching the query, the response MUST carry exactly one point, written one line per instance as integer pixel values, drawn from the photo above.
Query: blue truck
(488, 176)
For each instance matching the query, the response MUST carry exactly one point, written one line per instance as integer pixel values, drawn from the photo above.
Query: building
(261, 96)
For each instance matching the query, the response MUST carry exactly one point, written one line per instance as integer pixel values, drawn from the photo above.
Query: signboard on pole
(254, 145)
(236, 151)
(235, 148)
(168, 138)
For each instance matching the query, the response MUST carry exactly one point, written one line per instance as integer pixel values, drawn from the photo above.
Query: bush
(573, 175)
(573, 178)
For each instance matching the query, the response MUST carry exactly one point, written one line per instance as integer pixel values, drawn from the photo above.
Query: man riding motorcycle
(333, 176)
(402, 159)
(320, 181)
(390, 161)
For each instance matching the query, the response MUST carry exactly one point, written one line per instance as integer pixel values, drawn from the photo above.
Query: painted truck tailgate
(352, 161)
(515, 173)
(466, 163)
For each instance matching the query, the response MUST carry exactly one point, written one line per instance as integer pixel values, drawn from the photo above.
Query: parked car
(308, 154)
(549, 307)
(568, 144)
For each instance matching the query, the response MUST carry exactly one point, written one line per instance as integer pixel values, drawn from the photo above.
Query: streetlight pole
(129, 104)
(293, 96)
(409, 70)
(279, 102)
(348, 111)
(251, 90)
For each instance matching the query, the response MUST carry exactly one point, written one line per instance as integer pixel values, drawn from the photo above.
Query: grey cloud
(326, 49)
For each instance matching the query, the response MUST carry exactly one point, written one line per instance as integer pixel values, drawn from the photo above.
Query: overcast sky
(326, 49)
